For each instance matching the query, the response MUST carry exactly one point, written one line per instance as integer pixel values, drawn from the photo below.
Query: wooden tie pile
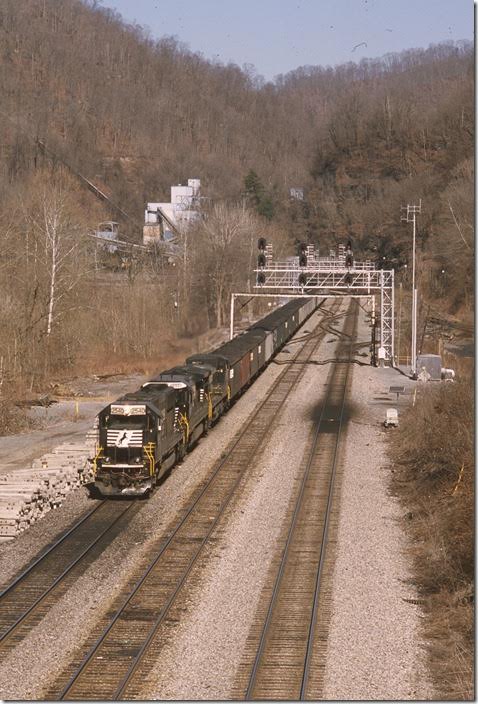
(27, 494)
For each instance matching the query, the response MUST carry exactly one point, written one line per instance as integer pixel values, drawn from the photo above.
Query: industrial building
(163, 222)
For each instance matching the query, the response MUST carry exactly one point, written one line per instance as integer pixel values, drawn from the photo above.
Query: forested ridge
(140, 114)
(134, 114)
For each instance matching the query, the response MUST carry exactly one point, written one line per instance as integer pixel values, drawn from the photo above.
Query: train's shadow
(314, 362)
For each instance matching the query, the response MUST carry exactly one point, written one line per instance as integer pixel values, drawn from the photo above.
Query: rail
(279, 654)
(26, 600)
(112, 666)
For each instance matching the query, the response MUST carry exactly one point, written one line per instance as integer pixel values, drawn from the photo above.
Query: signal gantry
(339, 274)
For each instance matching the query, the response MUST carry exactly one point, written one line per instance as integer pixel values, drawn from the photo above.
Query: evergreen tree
(254, 189)
(257, 197)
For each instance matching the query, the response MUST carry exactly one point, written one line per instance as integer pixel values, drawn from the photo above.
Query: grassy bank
(433, 476)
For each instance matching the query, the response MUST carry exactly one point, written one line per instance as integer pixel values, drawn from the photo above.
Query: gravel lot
(374, 648)
(57, 422)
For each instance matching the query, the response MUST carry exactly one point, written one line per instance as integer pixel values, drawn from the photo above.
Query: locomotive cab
(131, 442)
(193, 386)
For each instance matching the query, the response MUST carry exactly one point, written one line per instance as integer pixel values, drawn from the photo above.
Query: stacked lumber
(27, 494)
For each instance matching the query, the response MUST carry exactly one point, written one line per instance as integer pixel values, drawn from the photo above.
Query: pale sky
(277, 36)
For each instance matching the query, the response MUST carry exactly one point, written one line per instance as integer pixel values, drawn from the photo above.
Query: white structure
(164, 221)
(108, 232)
(327, 276)
(296, 193)
(411, 216)
(391, 419)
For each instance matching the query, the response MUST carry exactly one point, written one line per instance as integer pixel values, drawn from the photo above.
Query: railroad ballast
(144, 433)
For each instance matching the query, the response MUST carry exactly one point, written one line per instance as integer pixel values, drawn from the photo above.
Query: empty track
(28, 598)
(285, 651)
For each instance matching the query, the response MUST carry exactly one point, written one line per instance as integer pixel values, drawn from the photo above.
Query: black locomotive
(144, 433)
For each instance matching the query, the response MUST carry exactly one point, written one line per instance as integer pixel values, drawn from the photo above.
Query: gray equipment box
(432, 365)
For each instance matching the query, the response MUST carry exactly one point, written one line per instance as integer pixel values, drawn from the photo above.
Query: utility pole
(411, 216)
(373, 356)
(399, 322)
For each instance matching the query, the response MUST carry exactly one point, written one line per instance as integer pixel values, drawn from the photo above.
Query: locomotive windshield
(126, 421)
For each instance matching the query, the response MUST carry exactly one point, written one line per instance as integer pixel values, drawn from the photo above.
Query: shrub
(433, 476)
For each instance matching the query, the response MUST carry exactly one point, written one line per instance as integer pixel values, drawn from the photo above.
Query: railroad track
(25, 601)
(113, 667)
(284, 656)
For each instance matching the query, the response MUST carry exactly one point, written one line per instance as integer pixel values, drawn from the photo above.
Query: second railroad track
(284, 657)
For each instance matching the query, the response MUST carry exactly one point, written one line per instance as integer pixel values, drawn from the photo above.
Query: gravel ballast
(39, 659)
(374, 650)
(222, 606)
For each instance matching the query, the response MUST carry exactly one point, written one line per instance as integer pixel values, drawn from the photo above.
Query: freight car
(144, 433)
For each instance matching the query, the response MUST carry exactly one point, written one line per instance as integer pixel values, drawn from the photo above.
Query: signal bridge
(310, 275)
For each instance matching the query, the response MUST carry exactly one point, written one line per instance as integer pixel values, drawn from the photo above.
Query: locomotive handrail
(183, 420)
(96, 458)
(149, 450)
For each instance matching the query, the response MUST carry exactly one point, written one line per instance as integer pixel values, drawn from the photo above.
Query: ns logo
(124, 438)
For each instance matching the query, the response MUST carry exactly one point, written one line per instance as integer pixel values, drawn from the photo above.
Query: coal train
(144, 433)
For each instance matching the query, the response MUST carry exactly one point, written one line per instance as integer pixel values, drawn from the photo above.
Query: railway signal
(302, 254)
(261, 260)
(261, 246)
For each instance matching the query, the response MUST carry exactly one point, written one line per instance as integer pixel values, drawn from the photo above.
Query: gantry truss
(330, 276)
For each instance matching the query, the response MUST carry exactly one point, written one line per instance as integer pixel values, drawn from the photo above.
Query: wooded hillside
(135, 115)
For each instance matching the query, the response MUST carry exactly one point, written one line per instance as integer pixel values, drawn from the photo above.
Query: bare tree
(59, 239)
(221, 259)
